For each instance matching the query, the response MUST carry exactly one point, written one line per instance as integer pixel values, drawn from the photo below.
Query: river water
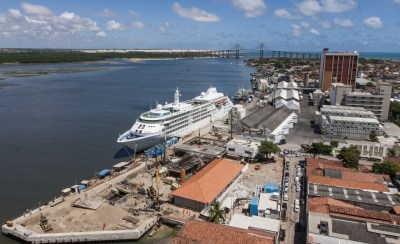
(59, 129)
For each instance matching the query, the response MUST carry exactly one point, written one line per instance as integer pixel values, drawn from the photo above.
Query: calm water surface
(56, 130)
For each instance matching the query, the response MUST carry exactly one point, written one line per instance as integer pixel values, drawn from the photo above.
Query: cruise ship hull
(142, 143)
(139, 144)
(177, 119)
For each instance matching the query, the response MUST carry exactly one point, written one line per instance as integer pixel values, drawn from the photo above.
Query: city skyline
(307, 25)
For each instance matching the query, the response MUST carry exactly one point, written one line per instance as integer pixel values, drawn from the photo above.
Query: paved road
(303, 132)
(292, 217)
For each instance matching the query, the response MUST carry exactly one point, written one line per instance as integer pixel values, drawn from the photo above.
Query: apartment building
(338, 67)
(347, 122)
(377, 102)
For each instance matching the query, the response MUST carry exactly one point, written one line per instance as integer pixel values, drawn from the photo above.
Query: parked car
(285, 197)
(282, 234)
(286, 189)
(274, 197)
(296, 208)
(297, 179)
(286, 183)
(298, 189)
(297, 226)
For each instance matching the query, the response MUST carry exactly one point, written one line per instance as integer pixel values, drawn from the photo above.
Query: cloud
(309, 7)
(313, 7)
(164, 27)
(296, 27)
(296, 32)
(36, 9)
(373, 22)
(252, 8)
(338, 6)
(304, 24)
(20, 26)
(138, 24)
(72, 22)
(101, 34)
(107, 13)
(343, 22)
(113, 25)
(314, 32)
(133, 13)
(195, 14)
(324, 23)
(284, 14)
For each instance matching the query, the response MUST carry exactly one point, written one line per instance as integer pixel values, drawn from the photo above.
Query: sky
(292, 25)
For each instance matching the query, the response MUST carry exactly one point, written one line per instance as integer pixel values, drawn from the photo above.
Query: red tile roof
(199, 232)
(321, 204)
(208, 183)
(349, 177)
(330, 206)
(364, 177)
(320, 180)
(315, 165)
(396, 209)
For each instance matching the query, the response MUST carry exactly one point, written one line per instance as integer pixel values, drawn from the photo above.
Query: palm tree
(217, 214)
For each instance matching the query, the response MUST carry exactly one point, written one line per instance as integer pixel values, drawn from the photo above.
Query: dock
(113, 207)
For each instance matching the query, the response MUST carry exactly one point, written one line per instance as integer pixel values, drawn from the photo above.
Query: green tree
(392, 152)
(372, 136)
(266, 148)
(334, 144)
(217, 214)
(387, 168)
(350, 156)
(319, 148)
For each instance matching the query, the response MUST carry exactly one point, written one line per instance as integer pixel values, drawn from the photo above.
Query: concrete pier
(112, 235)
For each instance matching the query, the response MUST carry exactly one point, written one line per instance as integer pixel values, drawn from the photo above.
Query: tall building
(377, 102)
(338, 67)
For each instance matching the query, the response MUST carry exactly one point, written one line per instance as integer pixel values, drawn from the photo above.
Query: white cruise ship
(176, 119)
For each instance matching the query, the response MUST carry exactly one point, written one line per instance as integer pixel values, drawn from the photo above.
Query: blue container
(271, 187)
(254, 206)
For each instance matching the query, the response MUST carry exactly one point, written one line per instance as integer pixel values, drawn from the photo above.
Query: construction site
(125, 202)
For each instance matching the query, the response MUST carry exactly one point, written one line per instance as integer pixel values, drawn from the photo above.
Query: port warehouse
(206, 186)
(268, 122)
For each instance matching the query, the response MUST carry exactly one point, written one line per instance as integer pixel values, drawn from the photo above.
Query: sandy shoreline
(141, 60)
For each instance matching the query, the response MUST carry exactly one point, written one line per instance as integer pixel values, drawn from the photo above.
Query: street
(292, 217)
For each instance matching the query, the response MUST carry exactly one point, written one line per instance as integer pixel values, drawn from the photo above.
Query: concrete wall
(27, 235)
(188, 203)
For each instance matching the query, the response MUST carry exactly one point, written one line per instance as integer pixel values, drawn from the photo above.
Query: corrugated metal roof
(267, 117)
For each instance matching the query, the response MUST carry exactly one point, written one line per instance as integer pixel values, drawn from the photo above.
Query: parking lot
(303, 132)
(294, 217)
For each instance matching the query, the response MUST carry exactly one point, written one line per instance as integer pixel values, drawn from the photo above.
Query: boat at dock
(176, 119)
(242, 95)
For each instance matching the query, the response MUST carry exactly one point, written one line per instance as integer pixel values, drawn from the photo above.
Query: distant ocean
(370, 55)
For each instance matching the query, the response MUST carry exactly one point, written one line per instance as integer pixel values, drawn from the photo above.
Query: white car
(285, 197)
(287, 183)
(286, 189)
(296, 208)
(297, 188)
(296, 202)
